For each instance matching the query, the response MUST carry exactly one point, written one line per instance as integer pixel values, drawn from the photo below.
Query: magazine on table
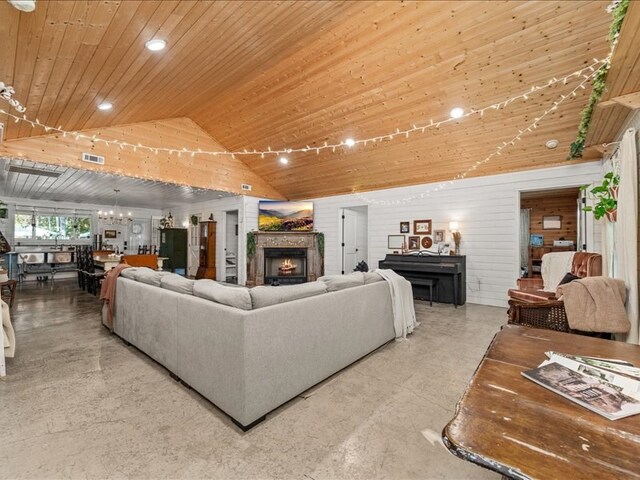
(594, 383)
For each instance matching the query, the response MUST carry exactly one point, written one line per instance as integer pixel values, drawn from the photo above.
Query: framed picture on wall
(422, 227)
(551, 222)
(414, 243)
(438, 236)
(404, 227)
(426, 242)
(395, 242)
(110, 234)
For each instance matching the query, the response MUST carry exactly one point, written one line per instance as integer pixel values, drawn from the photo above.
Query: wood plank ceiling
(278, 74)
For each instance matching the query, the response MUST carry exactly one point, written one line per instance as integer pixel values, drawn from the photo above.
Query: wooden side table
(11, 286)
(509, 424)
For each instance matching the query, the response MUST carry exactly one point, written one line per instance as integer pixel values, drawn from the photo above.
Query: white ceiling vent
(246, 187)
(91, 158)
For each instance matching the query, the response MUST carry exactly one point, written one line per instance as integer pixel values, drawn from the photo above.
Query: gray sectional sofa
(250, 350)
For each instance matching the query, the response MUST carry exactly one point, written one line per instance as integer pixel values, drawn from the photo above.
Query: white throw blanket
(8, 337)
(555, 266)
(404, 313)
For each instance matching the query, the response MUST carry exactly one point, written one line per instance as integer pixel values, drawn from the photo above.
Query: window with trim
(52, 226)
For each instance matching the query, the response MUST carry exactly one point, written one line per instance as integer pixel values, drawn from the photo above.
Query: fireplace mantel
(307, 240)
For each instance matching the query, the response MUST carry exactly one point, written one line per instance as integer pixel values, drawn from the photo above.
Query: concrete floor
(78, 403)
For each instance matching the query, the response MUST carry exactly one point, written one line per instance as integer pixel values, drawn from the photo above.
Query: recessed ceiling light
(284, 160)
(456, 112)
(105, 106)
(24, 5)
(553, 143)
(349, 142)
(155, 45)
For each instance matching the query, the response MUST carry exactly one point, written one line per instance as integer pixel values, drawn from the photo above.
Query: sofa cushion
(372, 277)
(177, 283)
(237, 297)
(339, 282)
(129, 273)
(149, 276)
(263, 296)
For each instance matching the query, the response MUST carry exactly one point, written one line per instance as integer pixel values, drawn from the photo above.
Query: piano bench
(430, 283)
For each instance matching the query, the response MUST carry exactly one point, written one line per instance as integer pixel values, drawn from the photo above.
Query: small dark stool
(430, 283)
(10, 285)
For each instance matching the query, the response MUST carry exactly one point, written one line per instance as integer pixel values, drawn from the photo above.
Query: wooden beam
(629, 100)
(222, 173)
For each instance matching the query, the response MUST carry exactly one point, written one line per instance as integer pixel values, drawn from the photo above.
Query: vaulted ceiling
(259, 74)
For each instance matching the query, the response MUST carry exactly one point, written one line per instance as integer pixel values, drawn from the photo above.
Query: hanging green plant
(606, 196)
(4, 209)
(576, 148)
(320, 240)
(251, 244)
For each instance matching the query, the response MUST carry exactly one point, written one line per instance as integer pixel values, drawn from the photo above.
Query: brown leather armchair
(531, 306)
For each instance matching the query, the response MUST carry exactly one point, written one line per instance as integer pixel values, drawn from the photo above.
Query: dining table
(106, 262)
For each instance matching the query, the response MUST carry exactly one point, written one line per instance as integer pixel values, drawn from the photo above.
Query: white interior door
(193, 259)
(349, 240)
(231, 246)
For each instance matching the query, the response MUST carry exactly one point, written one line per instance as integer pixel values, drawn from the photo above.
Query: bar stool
(9, 285)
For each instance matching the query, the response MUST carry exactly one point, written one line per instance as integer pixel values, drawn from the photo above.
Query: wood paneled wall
(563, 205)
(222, 173)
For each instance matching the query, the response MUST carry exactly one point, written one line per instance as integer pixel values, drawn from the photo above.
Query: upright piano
(448, 270)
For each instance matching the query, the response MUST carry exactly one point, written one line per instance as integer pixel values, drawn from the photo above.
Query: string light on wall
(583, 73)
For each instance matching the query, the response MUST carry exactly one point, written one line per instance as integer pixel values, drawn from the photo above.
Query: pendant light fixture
(115, 216)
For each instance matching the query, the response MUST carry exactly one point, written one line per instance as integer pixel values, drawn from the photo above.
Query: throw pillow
(237, 297)
(340, 282)
(263, 296)
(569, 277)
(177, 283)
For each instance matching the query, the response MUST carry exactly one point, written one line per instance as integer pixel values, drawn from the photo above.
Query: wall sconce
(455, 233)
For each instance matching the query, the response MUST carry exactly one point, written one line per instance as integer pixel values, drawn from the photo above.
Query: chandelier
(114, 216)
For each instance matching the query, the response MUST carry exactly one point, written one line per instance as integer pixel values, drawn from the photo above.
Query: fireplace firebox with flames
(285, 265)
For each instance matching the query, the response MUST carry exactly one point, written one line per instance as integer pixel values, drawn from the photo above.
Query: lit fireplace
(287, 268)
(285, 265)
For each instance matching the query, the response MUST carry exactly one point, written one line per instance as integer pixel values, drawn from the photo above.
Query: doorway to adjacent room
(354, 233)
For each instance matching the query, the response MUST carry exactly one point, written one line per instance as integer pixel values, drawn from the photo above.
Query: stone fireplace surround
(307, 240)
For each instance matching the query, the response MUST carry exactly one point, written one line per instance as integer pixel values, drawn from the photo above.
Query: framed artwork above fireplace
(275, 216)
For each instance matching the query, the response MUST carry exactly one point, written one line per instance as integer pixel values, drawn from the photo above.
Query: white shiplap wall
(487, 209)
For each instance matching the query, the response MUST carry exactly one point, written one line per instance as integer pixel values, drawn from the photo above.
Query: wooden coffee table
(513, 426)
